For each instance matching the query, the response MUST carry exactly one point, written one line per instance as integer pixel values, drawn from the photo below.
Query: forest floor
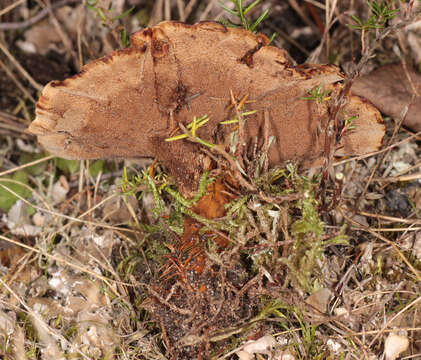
(103, 259)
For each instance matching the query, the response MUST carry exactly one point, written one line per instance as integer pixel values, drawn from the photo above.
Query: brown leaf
(389, 89)
(124, 105)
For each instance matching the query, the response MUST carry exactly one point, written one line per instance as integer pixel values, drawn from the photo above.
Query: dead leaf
(10, 254)
(319, 300)
(126, 104)
(389, 89)
(394, 345)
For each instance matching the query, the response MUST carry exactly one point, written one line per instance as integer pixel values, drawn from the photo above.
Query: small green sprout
(349, 121)
(240, 12)
(235, 120)
(348, 124)
(193, 126)
(381, 13)
(109, 21)
(318, 94)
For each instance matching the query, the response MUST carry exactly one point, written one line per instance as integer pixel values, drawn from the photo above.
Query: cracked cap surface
(125, 104)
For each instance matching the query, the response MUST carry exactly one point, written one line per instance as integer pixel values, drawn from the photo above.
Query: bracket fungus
(126, 104)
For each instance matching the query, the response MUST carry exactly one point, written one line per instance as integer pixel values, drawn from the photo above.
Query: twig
(205, 14)
(38, 17)
(316, 3)
(410, 177)
(390, 218)
(393, 318)
(189, 8)
(10, 7)
(383, 156)
(294, 4)
(155, 294)
(156, 14)
(167, 10)
(17, 168)
(356, 158)
(286, 37)
(387, 241)
(237, 174)
(54, 213)
(180, 7)
(63, 35)
(266, 142)
(20, 68)
(68, 263)
(241, 135)
(17, 82)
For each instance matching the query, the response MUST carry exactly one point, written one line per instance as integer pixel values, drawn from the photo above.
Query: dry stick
(294, 4)
(286, 37)
(209, 7)
(80, 186)
(12, 119)
(167, 10)
(332, 123)
(189, 8)
(180, 7)
(357, 158)
(54, 213)
(17, 82)
(163, 301)
(11, 128)
(315, 3)
(387, 241)
(410, 177)
(38, 17)
(81, 20)
(156, 14)
(241, 142)
(20, 68)
(37, 195)
(11, 7)
(384, 156)
(372, 332)
(404, 230)
(266, 142)
(411, 304)
(390, 218)
(63, 36)
(329, 12)
(404, 171)
(88, 193)
(17, 168)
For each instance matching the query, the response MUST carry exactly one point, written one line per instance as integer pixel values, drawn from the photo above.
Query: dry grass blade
(55, 213)
(21, 167)
(82, 269)
(38, 17)
(42, 323)
(18, 66)
(387, 241)
(11, 7)
(17, 82)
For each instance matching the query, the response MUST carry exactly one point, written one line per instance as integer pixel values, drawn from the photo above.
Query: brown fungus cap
(124, 105)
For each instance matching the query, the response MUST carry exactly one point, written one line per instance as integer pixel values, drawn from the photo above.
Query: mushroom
(126, 104)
